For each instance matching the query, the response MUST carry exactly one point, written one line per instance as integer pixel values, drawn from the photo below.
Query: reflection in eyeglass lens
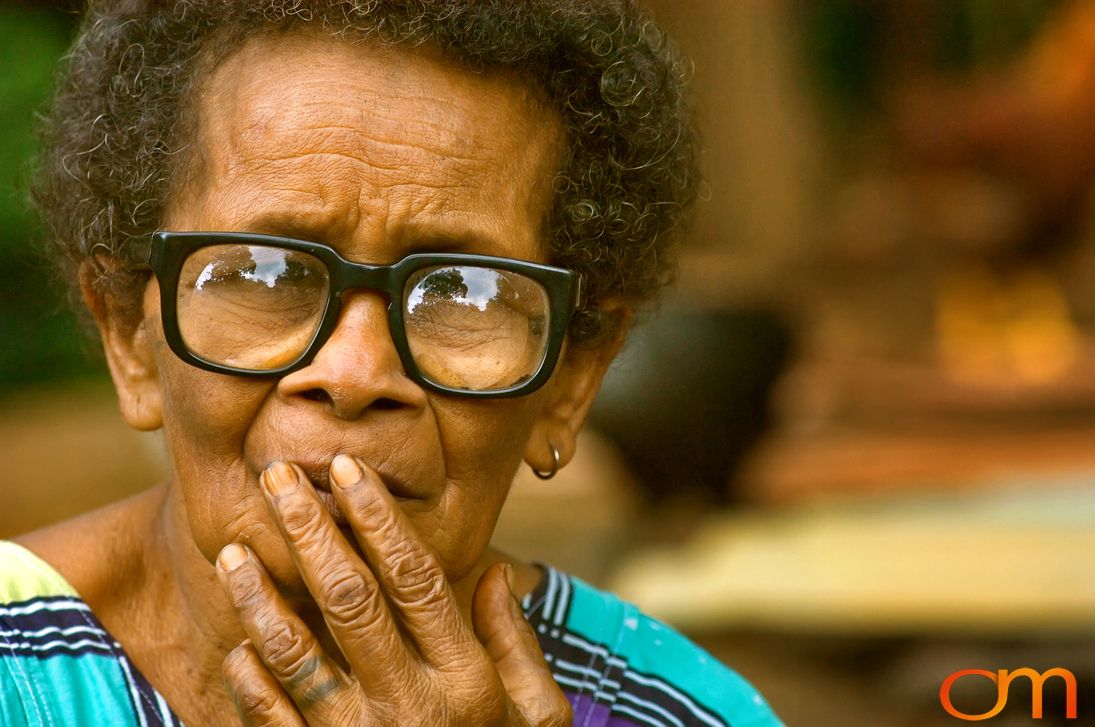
(249, 306)
(475, 327)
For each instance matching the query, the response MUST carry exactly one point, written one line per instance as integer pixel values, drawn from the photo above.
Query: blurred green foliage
(40, 338)
(850, 44)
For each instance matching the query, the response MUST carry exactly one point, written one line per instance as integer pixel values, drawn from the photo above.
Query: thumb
(508, 638)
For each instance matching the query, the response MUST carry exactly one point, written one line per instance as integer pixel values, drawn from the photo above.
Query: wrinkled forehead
(321, 110)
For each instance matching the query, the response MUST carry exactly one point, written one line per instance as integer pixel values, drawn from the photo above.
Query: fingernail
(507, 571)
(279, 478)
(232, 556)
(345, 471)
(515, 607)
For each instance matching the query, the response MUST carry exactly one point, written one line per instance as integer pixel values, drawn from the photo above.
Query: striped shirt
(618, 667)
(621, 668)
(58, 665)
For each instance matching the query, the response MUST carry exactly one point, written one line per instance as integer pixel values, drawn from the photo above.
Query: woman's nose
(358, 369)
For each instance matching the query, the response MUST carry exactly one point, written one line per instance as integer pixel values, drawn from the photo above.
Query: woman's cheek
(459, 528)
(484, 442)
(206, 435)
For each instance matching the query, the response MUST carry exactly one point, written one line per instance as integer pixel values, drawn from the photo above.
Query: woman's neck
(135, 565)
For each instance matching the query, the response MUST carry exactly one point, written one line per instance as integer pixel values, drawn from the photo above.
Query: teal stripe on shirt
(87, 689)
(654, 649)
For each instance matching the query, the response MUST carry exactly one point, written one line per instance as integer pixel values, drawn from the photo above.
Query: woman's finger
(289, 654)
(258, 697)
(510, 641)
(342, 585)
(410, 574)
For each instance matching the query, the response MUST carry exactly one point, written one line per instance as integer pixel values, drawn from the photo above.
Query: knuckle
(349, 599)
(250, 694)
(373, 511)
(288, 652)
(410, 566)
(561, 714)
(346, 590)
(550, 708)
(257, 699)
(416, 575)
(310, 532)
(247, 588)
(301, 519)
(257, 608)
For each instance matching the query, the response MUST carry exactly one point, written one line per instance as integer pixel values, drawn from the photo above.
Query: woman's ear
(129, 356)
(571, 393)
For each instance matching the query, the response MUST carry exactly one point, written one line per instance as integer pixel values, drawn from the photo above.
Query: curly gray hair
(115, 140)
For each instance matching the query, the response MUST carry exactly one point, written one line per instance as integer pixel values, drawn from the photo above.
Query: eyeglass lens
(475, 328)
(258, 308)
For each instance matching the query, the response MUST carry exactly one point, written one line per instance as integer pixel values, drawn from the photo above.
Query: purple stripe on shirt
(586, 711)
(589, 713)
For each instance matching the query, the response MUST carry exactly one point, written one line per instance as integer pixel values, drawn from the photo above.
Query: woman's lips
(317, 468)
(320, 477)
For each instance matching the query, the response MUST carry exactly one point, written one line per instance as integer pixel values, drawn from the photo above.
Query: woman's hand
(412, 659)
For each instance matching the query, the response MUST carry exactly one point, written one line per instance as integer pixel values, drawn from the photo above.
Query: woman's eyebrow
(414, 236)
(442, 242)
(418, 237)
(308, 226)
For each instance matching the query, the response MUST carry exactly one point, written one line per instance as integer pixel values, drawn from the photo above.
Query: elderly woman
(357, 260)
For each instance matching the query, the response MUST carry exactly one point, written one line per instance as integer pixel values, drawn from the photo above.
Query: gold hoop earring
(554, 466)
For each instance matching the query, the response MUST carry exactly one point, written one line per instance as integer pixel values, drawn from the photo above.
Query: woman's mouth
(320, 477)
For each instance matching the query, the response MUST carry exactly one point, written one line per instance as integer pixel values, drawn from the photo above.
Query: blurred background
(852, 452)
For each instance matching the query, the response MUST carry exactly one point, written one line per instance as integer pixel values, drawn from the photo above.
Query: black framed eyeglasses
(259, 305)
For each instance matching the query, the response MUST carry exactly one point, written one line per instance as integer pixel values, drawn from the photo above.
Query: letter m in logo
(1003, 679)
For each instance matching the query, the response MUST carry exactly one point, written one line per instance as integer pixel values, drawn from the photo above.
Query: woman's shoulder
(25, 578)
(96, 552)
(619, 666)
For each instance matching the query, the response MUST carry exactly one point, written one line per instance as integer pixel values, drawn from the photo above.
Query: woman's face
(379, 153)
